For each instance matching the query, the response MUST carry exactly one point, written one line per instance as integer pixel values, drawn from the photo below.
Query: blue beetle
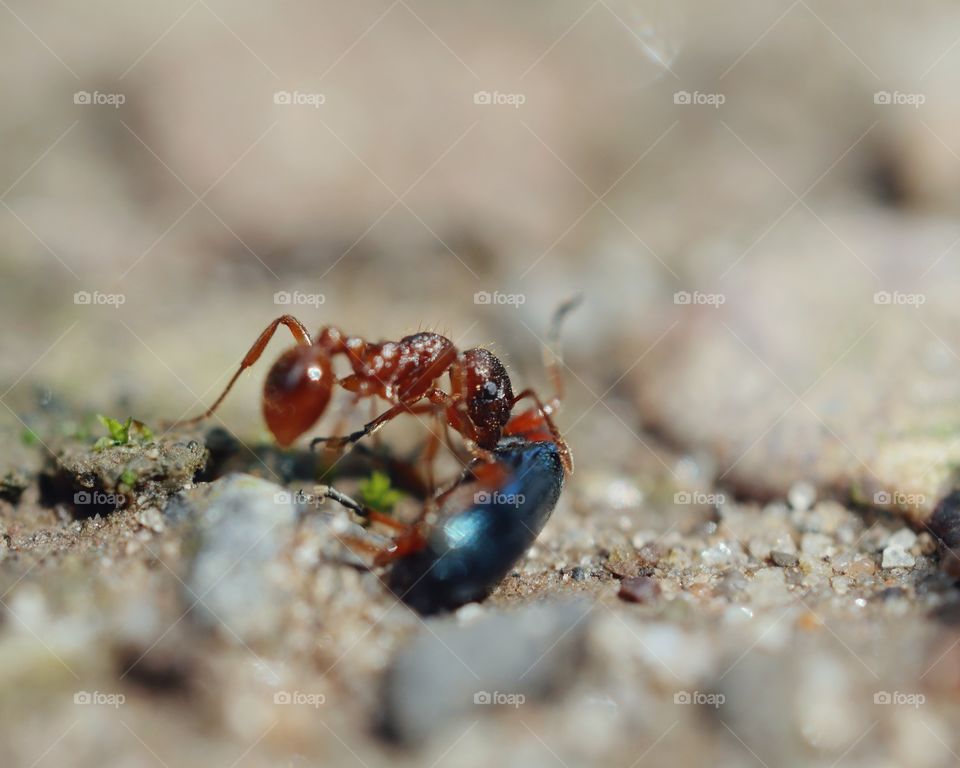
(471, 547)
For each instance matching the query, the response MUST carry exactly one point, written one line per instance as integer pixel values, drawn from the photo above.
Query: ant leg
(429, 458)
(409, 540)
(341, 422)
(371, 427)
(530, 423)
(373, 414)
(355, 506)
(299, 332)
(456, 416)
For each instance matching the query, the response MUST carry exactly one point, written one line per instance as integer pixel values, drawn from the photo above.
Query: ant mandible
(405, 373)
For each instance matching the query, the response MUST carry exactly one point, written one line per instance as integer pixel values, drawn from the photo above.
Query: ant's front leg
(409, 539)
(455, 411)
(372, 426)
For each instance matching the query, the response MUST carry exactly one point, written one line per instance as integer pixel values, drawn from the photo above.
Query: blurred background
(759, 203)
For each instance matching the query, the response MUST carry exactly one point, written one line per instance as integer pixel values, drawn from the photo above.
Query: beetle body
(482, 531)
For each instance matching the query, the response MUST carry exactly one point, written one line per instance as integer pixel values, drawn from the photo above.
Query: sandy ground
(759, 207)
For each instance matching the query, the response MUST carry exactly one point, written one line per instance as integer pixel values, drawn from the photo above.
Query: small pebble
(840, 584)
(902, 539)
(894, 557)
(639, 589)
(784, 559)
(649, 555)
(816, 544)
(802, 496)
(928, 544)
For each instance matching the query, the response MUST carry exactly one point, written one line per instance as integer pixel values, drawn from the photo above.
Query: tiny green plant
(29, 438)
(377, 493)
(122, 433)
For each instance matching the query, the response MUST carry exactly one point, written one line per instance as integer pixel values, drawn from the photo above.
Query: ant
(405, 373)
(482, 524)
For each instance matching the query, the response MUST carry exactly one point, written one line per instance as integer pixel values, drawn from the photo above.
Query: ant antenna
(552, 358)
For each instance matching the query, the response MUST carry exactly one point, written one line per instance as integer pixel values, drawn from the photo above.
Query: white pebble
(902, 539)
(895, 557)
(802, 495)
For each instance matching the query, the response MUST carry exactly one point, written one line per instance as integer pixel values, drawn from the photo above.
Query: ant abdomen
(297, 391)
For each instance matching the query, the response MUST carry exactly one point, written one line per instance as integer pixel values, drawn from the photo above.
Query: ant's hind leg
(300, 334)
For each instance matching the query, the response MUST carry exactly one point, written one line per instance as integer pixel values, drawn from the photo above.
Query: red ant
(405, 373)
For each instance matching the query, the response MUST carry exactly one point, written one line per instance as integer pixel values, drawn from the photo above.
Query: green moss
(122, 433)
(377, 493)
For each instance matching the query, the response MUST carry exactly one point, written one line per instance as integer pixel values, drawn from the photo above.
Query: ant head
(489, 395)
(297, 391)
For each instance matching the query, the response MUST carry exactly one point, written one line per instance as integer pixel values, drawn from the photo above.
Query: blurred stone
(802, 495)
(784, 559)
(236, 579)
(894, 557)
(639, 589)
(511, 658)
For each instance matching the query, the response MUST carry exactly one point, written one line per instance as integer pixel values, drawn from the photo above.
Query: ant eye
(490, 390)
